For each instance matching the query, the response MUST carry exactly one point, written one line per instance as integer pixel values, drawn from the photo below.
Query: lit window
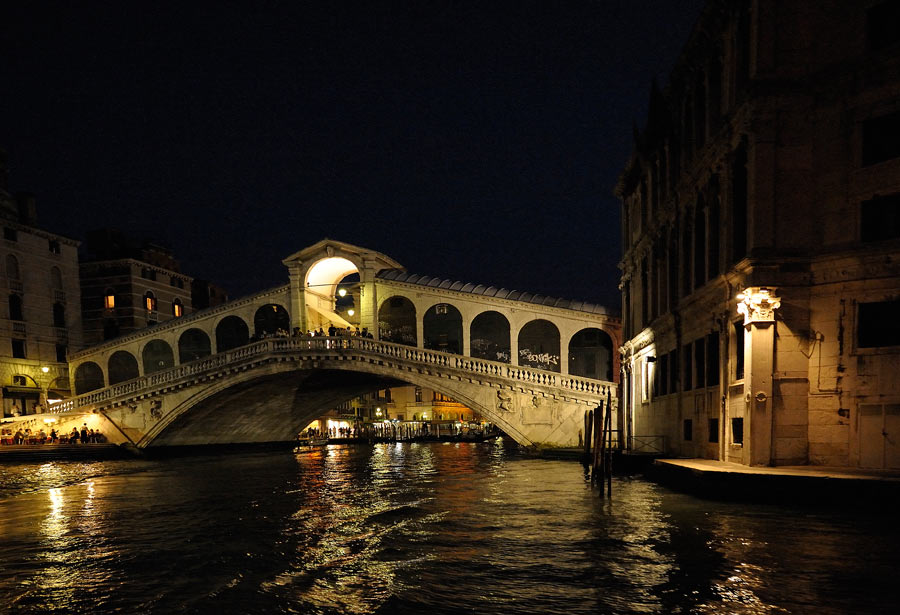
(150, 302)
(177, 309)
(109, 301)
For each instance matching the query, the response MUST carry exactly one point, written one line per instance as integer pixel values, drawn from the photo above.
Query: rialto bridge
(246, 371)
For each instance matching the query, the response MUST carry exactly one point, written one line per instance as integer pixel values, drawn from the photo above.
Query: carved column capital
(758, 304)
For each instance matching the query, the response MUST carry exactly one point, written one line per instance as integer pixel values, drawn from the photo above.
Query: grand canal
(417, 528)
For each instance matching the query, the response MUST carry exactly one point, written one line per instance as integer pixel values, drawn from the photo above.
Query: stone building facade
(761, 239)
(127, 286)
(40, 306)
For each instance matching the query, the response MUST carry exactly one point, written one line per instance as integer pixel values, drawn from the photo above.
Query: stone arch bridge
(246, 371)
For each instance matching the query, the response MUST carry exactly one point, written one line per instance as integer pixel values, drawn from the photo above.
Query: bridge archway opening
(590, 354)
(539, 345)
(442, 328)
(231, 332)
(88, 377)
(157, 355)
(122, 366)
(489, 334)
(397, 321)
(269, 319)
(192, 345)
(332, 293)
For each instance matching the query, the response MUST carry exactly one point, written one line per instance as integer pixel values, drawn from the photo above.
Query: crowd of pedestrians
(76, 436)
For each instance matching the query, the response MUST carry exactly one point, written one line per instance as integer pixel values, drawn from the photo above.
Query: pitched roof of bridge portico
(399, 275)
(327, 248)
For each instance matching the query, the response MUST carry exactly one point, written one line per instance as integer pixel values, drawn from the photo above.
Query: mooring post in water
(588, 431)
(608, 463)
(597, 442)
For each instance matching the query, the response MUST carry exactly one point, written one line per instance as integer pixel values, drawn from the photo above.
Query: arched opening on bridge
(231, 332)
(490, 337)
(590, 354)
(192, 345)
(88, 377)
(122, 366)
(442, 328)
(157, 356)
(539, 345)
(269, 319)
(397, 321)
(332, 293)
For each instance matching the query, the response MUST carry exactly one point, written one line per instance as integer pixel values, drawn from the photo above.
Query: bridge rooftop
(400, 275)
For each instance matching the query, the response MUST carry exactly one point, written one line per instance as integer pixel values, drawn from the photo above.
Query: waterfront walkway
(722, 479)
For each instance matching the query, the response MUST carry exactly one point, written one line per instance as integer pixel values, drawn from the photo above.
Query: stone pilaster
(758, 305)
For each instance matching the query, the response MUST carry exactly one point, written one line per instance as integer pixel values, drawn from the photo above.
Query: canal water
(417, 528)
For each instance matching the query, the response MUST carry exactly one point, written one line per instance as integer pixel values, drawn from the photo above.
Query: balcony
(59, 295)
(16, 286)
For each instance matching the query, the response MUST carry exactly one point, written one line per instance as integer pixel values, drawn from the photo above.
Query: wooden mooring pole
(588, 432)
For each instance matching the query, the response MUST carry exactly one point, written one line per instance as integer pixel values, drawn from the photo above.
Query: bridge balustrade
(327, 345)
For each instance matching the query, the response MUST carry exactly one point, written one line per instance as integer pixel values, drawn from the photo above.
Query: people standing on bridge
(73, 437)
(84, 433)
(331, 331)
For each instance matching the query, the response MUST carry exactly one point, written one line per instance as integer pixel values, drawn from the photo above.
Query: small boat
(313, 441)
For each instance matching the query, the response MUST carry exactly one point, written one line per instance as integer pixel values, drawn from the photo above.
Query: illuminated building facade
(761, 239)
(40, 306)
(127, 286)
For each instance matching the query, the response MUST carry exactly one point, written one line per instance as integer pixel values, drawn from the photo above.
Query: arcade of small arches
(489, 335)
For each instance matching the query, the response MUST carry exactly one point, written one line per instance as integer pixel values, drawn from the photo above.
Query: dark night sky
(478, 141)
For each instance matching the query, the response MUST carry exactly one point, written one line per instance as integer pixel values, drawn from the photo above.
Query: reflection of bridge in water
(530, 364)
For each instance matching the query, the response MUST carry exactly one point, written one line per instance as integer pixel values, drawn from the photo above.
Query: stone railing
(325, 346)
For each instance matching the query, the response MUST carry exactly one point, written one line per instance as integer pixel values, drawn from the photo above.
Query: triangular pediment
(327, 248)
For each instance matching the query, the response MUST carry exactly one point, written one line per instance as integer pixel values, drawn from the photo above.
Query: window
(877, 324)
(880, 218)
(61, 352)
(673, 371)
(700, 360)
(712, 359)
(10, 234)
(688, 367)
(737, 431)
(148, 274)
(109, 299)
(150, 302)
(56, 278)
(418, 394)
(15, 307)
(53, 246)
(688, 430)
(713, 430)
(739, 205)
(663, 374)
(883, 25)
(12, 267)
(20, 381)
(177, 308)
(880, 139)
(18, 349)
(59, 315)
(739, 350)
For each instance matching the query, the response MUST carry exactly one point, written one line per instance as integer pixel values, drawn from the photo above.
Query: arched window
(122, 367)
(177, 308)
(59, 315)
(269, 319)
(12, 267)
(539, 345)
(442, 328)
(590, 354)
(397, 321)
(56, 278)
(109, 299)
(157, 356)
(489, 336)
(88, 377)
(231, 332)
(192, 345)
(15, 307)
(150, 301)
